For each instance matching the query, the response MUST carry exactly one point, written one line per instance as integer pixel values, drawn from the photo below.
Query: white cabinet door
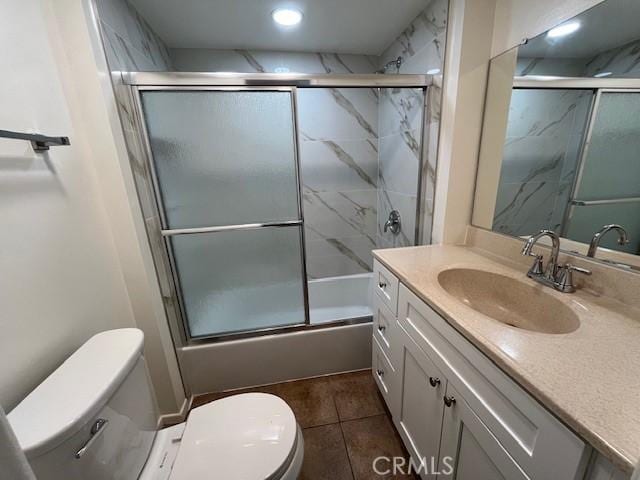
(469, 451)
(420, 415)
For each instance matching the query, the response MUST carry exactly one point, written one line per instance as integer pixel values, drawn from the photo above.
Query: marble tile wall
(130, 42)
(421, 46)
(623, 61)
(338, 136)
(343, 158)
(400, 125)
(541, 153)
(264, 61)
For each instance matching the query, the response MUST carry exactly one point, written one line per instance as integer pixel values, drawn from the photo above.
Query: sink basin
(509, 301)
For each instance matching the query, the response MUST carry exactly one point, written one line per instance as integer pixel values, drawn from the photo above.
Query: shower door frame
(586, 143)
(139, 82)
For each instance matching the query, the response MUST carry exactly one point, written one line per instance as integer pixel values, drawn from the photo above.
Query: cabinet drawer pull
(449, 400)
(381, 328)
(434, 381)
(382, 285)
(380, 373)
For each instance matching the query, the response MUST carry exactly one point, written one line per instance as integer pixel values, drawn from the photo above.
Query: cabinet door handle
(380, 373)
(382, 285)
(434, 381)
(449, 400)
(381, 328)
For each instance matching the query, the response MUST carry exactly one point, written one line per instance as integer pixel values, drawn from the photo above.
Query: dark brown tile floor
(344, 423)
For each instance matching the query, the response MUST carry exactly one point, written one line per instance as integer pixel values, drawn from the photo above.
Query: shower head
(397, 63)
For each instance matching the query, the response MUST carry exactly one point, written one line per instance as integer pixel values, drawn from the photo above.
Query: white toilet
(95, 418)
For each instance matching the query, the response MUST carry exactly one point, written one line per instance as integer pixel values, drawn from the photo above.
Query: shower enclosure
(570, 159)
(240, 199)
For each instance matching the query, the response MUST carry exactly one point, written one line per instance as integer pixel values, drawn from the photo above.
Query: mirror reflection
(561, 136)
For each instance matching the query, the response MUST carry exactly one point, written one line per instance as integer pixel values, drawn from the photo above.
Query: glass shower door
(607, 190)
(226, 175)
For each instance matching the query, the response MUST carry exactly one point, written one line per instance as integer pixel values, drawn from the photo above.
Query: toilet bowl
(95, 417)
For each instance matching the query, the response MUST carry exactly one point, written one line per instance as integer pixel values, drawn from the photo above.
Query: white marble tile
(400, 110)
(339, 165)
(399, 162)
(533, 159)
(529, 204)
(622, 61)
(333, 266)
(250, 61)
(339, 214)
(424, 39)
(406, 206)
(545, 112)
(337, 114)
(339, 256)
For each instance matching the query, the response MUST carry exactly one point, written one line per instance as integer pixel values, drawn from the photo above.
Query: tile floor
(345, 424)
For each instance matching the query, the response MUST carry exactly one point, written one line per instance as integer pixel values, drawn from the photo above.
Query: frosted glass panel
(612, 164)
(240, 280)
(223, 157)
(585, 221)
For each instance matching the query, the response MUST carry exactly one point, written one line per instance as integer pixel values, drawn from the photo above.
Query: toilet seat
(243, 437)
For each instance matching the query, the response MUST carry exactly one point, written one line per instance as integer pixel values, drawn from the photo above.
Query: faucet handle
(573, 268)
(565, 278)
(537, 268)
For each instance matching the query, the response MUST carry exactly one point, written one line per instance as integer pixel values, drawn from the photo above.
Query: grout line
(365, 417)
(344, 440)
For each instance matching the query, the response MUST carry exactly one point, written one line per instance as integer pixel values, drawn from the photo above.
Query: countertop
(589, 378)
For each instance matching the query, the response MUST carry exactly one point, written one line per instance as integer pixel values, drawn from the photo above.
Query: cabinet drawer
(386, 377)
(384, 330)
(537, 441)
(385, 284)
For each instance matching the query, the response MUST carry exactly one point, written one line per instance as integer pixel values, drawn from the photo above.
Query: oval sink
(509, 301)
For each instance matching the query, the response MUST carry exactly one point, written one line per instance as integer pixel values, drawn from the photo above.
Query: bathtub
(340, 298)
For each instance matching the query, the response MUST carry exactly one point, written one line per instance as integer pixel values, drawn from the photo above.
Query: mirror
(560, 144)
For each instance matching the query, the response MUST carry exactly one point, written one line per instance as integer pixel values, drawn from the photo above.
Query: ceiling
(610, 24)
(340, 26)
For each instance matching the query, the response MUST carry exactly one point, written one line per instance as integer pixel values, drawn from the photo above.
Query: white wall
(60, 278)
(89, 91)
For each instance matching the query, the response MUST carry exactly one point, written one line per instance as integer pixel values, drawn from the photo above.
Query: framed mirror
(560, 145)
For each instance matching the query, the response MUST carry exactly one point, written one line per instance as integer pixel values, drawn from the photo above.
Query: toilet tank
(100, 398)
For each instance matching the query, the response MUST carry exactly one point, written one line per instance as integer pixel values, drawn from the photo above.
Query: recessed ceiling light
(286, 17)
(433, 71)
(564, 29)
(602, 74)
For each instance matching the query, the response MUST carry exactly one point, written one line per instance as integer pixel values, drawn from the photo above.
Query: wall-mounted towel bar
(40, 143)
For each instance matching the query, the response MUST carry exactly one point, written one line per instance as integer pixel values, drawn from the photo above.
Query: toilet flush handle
(97, 428)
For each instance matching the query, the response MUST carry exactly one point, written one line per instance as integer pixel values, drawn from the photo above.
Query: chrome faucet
(552, 265)
(393, 223)
(623, 237)
(553, 275)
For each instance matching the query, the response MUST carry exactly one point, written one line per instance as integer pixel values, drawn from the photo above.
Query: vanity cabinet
(454, 407)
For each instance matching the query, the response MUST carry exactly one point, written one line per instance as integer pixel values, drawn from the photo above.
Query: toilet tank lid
(69, 397)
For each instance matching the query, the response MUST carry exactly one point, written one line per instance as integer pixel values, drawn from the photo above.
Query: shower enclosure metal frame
(139, 82)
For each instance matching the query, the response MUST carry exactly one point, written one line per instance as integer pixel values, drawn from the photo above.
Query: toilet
(95, 418)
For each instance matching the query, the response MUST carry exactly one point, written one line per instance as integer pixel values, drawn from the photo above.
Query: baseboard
(175, 418)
